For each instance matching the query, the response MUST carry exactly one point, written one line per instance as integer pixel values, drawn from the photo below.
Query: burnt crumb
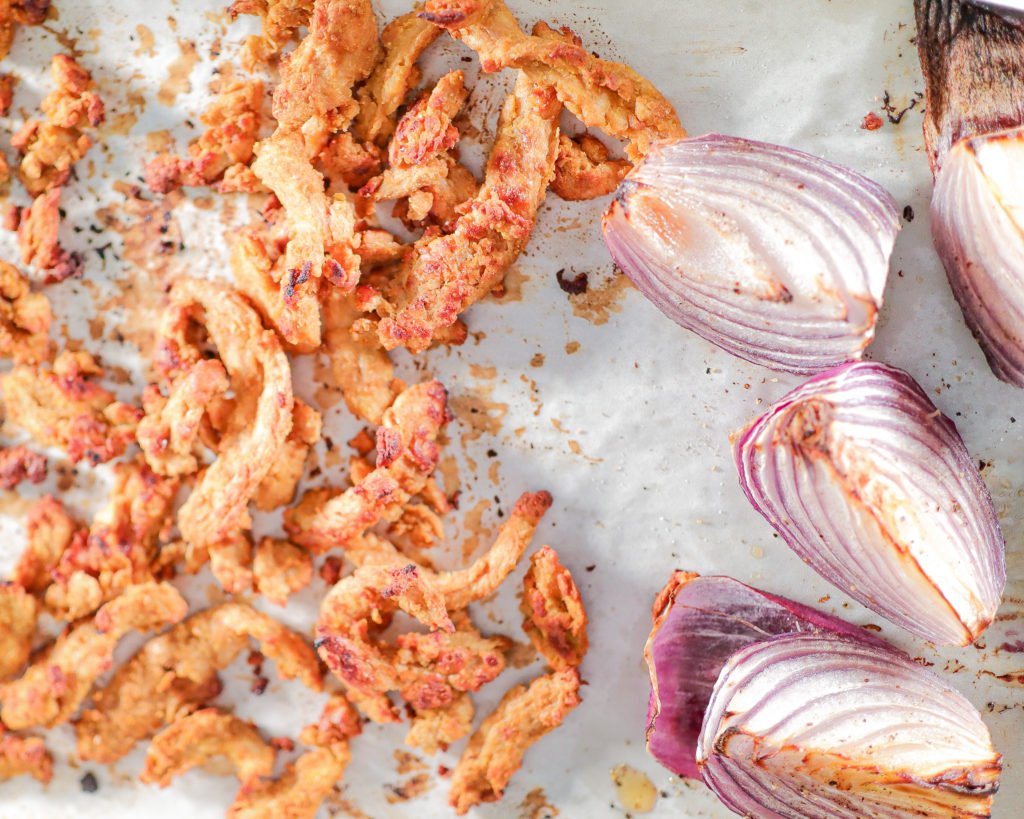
(89, 783)
(908, 213)
(896, 115)
(491, 453)
(259, 685)
(871, 122)
(591, 567)
(574, 286)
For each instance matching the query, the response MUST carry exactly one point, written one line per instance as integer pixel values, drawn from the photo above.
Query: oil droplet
(757, 552)
(636, 792)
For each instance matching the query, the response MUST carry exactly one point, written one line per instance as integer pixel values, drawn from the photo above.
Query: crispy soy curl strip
(63, 407)
(554, 620)
(584, 171)
(257, 366)
(418, 153)
(198, 737)
(18, 612)
(175, 673)
(407, 453)
(120, 545)
(57, 682)
(445, 274)
(14, 13)
(434, 729)
(50, 531)
(496, 749)
(24, 755)
(278, 487)
(603, 94)
(19, 463)
(223, 150)
(24, 319)
(281, 21)
(481, 578)
(170, 429)
(361, 368)
(50, 148)
(299, 793)
(427, 669)
(314, 98)
(404, 39)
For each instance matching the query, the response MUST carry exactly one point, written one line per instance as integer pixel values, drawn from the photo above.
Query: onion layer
(978, 229)
(699, 622)
(872, 486)
(775, 255)
(813, 725)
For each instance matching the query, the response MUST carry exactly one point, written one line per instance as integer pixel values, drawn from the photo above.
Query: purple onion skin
(699, 622)
(866, 425)
(815, 726)
(776, 256)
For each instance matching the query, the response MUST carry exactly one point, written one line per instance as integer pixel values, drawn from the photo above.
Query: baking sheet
(623, 416)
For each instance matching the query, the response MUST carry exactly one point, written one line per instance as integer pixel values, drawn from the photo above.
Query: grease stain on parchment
(598, 303)
(178, 73)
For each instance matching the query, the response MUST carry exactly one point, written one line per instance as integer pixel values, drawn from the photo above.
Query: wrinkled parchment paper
(598, 398)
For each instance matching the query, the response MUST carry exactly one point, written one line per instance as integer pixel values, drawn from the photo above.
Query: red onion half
(775, 255)
(872, 486)
(699, 622)
(978, 228)
(818, 725)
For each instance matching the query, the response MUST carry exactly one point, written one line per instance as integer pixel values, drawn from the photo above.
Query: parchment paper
(622, 415)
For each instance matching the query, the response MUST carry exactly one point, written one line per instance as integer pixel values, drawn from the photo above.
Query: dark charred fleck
(296, 277)
(574, 286)
(591, 567)
(492, 453)
(259, 685)
(89, 783)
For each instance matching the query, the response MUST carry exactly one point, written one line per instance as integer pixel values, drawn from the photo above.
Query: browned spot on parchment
(600, 301)
(475, 531)
(146, 41)
(151, 238)
(409, 789)
(448, 469)
(159, 142)
(511, 289)
(482, 372)
(120, 124)
(178, 72)
(408, 763)
(479, 414)
(521, 655)
(535, 806)
(14, 504)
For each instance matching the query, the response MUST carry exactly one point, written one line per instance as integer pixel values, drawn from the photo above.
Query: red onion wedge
(699, 622)
(775, 255)
(818, 725)
(978, 229)
(872, 486)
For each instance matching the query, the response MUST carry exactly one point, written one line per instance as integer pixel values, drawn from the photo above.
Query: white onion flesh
(978, 228)
(818, 725)
(872, 486)
(1012, 9)
(775, 255)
